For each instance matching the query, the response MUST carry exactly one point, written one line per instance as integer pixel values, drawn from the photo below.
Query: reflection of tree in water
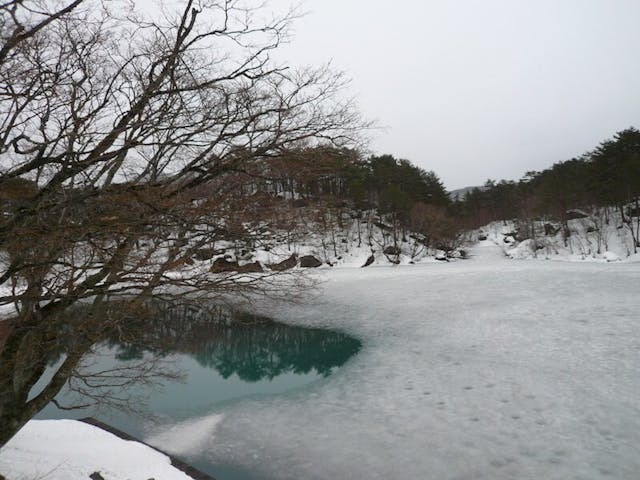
(252, 347)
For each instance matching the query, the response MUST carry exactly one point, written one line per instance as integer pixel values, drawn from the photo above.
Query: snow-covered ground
(487, 368)
(590, 239)
(72, 450)
(481, 369)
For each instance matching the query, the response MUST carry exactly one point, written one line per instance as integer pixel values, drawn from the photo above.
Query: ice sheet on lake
(186, 437)
(482, 369)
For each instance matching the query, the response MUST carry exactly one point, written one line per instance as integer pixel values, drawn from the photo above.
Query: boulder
(254, 267)
(576, 214)
(309, 261)
(482, 237)
(221, 265)
(611, 257)
(369, 261)
(382, 226)
(203, 254)
(287, 264)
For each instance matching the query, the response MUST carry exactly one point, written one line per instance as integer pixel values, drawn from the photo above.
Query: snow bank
(73, 450)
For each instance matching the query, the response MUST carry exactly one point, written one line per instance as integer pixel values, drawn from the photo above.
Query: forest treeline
(402, 197)
(601, 182)
(324, 186)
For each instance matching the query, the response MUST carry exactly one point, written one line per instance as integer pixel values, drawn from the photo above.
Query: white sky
(477, 89)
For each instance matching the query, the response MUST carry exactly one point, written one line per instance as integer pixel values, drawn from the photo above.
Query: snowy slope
(590, 239)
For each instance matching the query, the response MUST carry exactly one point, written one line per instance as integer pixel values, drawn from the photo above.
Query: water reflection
(231, 342)
(224, 355)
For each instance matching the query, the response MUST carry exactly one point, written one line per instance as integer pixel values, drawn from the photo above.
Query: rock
(287, 264)
(508, 239)
(611, 257)
(390, 250)
(221, 265)
(96, 476)
(309, 261)
(369, 261)
(591, 229)
(576, 214)
(254, 267)
(382, 226)
(203, 254)
(482, 237)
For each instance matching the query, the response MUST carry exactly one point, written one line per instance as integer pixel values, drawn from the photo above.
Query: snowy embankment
(73, 450)
(590, 238)
(483, 369)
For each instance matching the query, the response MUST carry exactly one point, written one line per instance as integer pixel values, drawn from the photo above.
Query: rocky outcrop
(309, 261)
(576, 214)
(221, 265)
(254, 267)
(287, 264)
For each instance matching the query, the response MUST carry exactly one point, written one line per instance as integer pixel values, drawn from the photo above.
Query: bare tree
(121, 143)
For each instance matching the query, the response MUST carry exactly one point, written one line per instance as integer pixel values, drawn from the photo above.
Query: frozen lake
(224, 356)
(479, 369)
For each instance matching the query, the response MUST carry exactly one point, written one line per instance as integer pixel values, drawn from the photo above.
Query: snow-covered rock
(611, 257)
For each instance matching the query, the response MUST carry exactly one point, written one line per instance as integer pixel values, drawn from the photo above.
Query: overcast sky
(478, 89)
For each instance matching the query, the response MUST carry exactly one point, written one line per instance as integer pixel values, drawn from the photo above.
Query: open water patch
(224, 357)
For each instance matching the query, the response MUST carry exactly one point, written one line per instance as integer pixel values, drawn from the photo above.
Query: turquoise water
(222, 356)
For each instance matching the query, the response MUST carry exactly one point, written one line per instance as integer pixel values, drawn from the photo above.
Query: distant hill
(461, 192)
